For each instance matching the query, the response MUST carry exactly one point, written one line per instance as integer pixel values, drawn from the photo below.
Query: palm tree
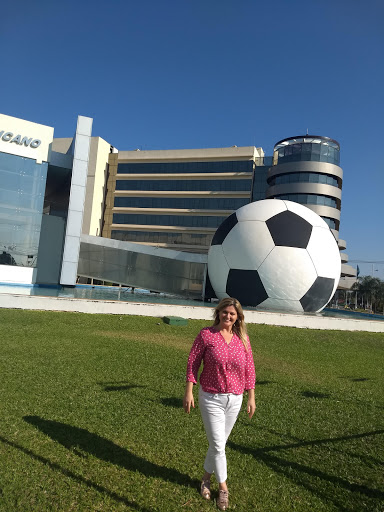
(380, 297)
(370, 289)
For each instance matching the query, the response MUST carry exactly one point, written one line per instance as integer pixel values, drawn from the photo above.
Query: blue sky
(211, 73)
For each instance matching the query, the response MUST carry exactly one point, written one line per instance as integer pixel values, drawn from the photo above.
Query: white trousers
(219, 412)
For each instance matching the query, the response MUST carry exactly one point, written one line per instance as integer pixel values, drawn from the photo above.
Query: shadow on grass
(74, 438)
(285, 467)
(264, 382)
(367, 459)
(110, 382)
(172, 402)
(80, 479)
(122, 388)
(356, 379)
(121, 385)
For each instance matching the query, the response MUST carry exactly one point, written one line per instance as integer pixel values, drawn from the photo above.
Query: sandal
(222, 500)
(205, 489)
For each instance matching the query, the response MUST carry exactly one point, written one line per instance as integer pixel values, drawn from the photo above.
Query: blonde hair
(239, 327)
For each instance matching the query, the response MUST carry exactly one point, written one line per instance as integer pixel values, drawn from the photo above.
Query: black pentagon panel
(223, 230)
(246, 286)
(209, 292)
(289, 229)
(318, 295)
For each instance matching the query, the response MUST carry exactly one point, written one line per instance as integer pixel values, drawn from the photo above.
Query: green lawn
(91, 418)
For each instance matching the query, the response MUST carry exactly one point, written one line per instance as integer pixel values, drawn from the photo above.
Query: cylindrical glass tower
(306, 170)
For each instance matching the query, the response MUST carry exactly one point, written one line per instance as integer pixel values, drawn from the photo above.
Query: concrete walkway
(15, 301)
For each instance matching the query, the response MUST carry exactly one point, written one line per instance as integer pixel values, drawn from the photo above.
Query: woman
(228, 372)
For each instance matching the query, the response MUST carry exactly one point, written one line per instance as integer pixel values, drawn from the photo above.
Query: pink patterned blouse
(228, 368)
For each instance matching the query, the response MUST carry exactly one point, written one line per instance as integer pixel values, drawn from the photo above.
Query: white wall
(96, 186)
(17, 275)
(20, 129)
(76, 201)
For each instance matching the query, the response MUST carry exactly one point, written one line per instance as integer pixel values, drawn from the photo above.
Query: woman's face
(227, 317)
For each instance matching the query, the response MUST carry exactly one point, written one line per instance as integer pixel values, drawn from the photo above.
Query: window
(309, 199)
(168, 220)
(186, 167)
(230, 185)
(203, 203)
(22, 187)
(306, 151)
(304, 177)
(163, 237)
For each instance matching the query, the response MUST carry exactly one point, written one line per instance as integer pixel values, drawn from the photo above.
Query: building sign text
(17, 139)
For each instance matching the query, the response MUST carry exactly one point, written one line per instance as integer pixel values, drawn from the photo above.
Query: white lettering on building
(20, 141)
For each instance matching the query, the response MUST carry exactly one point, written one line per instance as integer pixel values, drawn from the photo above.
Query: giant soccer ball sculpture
(275, 255)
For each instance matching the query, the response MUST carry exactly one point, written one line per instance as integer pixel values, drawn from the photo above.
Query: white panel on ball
(261, 210)
(306, 213)
(281, 305)
(217, 269)
(222, 295)
(247, 245)
(323, 249)
(287, 273)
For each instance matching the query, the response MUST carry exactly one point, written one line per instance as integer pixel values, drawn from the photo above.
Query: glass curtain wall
(259, 185)
(309, 148)
(203, 203)
(183, 167)
(22, 187)
(228, 185)
(158, 191)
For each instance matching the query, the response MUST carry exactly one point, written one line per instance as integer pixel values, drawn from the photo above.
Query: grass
(91, 418)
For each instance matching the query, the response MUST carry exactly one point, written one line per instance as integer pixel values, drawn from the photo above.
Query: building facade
(176, 199)
(50, 190)
(24, 155)
(54, 191)
(306, 169)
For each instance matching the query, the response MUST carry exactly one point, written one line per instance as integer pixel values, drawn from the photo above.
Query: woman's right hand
(188, 400)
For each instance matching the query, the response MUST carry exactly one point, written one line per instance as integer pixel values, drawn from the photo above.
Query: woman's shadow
(74, 438)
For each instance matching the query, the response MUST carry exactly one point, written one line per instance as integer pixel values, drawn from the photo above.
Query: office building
(306, 169)
(56, 191)
(50, 192)
(176, 199)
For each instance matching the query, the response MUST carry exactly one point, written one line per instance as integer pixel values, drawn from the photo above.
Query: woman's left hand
(251, 405)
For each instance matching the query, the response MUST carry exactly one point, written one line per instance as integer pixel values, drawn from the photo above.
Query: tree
(369, 290)
(380, 297)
